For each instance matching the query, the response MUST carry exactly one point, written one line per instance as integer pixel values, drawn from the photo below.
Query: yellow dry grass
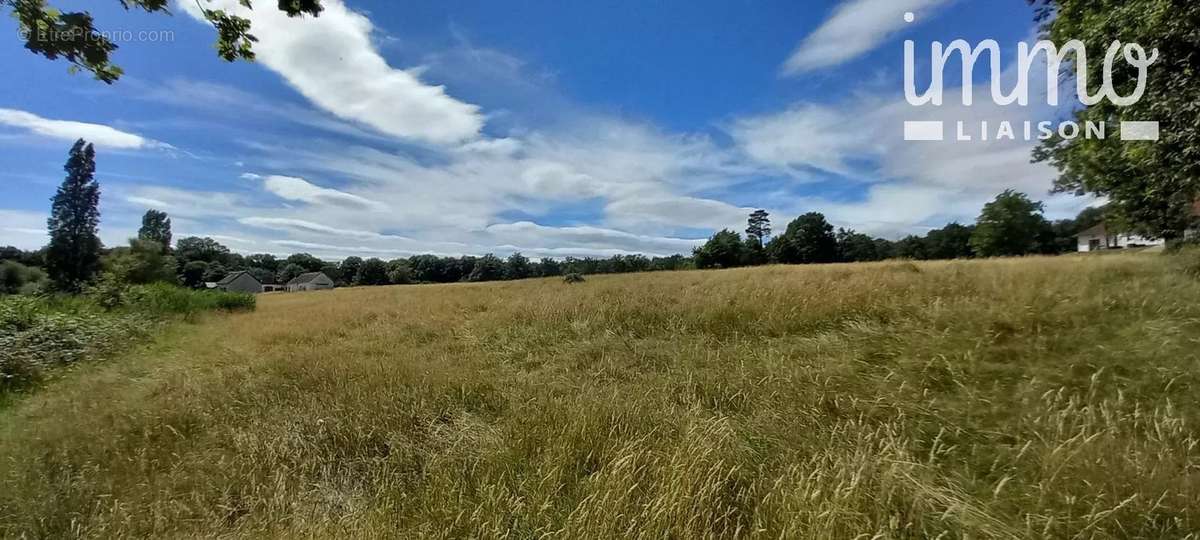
(1025, 398)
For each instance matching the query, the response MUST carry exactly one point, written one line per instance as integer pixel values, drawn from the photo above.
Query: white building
(1098, 238)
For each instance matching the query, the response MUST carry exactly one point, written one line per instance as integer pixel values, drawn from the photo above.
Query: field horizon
(1040, 397)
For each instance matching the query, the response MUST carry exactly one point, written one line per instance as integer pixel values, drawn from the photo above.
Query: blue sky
(551, 128)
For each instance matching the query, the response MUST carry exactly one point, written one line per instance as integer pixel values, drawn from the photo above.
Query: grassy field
(1032, 398)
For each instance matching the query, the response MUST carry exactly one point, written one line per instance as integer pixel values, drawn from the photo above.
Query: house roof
(1094, 230)
(234, 275)
(305, 278)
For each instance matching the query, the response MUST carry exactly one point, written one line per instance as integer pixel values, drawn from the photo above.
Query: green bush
(16, 278)
(164, 299)
(34, 336)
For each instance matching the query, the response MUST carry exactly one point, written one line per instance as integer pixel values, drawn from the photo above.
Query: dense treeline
(1010, 225)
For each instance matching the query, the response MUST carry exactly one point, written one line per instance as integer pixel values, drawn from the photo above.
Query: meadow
(1015, 398)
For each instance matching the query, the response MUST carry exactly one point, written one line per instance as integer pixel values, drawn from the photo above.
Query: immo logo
(980, 130)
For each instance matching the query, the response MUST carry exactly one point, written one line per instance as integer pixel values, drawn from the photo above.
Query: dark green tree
(809, 239)
(205, 249)
(73, 256)
(1153, 184)
(372, 272)
(517, 267)
(73, 36)
(487, 268)
(758, 227)
(192, 274)
(950, 242)
(911, 247)
(724, 250)
(215, 272)
(672, 262)
(1010, 225)
(263, 275)
(856, 247)
(288, 272)
(156, 227)
(399, 273)
(549, 268)
(266, 261)
(306, 261)
(350, 268)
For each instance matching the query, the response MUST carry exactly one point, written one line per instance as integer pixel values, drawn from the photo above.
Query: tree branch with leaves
(73, 36)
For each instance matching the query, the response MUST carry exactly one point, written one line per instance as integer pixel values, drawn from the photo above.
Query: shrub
(108, 292)
(16, 278)
(34, 336)
(573, 277)
(163, 299)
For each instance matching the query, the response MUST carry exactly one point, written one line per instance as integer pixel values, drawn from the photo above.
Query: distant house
(240, 282)
(310, 281)
(1100, 238)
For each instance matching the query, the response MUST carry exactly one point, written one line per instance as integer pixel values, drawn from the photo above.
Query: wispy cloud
(68, 130)
(855, 28)
(299, 189)
(300, 225)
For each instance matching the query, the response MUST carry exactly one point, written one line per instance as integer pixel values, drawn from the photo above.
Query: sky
(385, 129)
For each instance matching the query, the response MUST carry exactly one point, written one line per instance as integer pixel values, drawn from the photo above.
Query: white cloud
(299, 189)
(915, 185)
(854, 28)
(331, 61)
(590, 238)
(804, 136)
(67, 130)
(302, 226)
(185, 203)
(558, 181)
(653, 211)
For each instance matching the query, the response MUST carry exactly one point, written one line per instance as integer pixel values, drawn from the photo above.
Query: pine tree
(758, 227)
(73, 257)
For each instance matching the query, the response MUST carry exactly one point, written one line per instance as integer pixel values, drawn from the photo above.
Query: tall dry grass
(1034, 398)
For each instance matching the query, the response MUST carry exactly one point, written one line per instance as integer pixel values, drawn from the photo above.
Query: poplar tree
(73, 256)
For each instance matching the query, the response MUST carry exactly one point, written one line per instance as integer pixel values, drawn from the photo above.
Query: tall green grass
(1025, 398)
(163, 299)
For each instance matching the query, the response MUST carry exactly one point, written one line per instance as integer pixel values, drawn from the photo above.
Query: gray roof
(1094, 230)
(306, 277)
(234, 275)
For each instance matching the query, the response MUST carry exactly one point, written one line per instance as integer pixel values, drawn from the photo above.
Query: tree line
(1010, 225)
